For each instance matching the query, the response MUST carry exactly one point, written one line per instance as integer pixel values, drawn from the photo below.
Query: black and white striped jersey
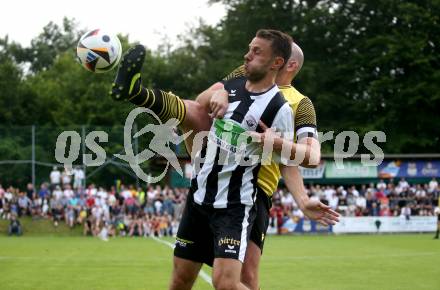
(232, 161)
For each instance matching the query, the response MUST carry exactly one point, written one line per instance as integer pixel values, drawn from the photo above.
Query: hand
(317, 211)
(219, 104)
(268, 135)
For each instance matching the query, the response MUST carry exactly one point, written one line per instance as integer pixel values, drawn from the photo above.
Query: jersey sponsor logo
(229, 242)
(230, 136)
(226, 146)
(182, 242)
(230, 245)
(233, 93)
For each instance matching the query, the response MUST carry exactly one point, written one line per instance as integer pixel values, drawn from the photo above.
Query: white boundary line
(202, 273)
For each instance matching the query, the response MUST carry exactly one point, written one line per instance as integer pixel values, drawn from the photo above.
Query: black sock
(165, 105)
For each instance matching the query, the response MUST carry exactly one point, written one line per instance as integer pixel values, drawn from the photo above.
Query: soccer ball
(98, 51)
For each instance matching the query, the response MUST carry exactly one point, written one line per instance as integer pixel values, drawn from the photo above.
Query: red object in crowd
(277, 211)
(90, 202)
(380, 194)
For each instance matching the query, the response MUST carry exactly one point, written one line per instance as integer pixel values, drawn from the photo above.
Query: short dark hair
(281, 42)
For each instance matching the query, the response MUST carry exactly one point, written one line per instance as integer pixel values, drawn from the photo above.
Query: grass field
(289, 262)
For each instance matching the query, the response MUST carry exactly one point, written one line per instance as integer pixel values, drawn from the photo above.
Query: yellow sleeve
(305, 114)
(236, 73)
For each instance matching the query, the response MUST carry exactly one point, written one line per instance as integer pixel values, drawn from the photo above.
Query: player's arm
(215, 98)
(306, 133)
(313, 209)
(307, 152)
(204, 97)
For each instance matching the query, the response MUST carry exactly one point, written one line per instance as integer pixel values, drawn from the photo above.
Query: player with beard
(193, 115)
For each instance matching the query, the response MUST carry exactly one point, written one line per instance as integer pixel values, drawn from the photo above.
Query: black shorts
(263, 204)
(206, 233)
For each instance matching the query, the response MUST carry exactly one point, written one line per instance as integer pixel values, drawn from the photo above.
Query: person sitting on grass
(14, 226)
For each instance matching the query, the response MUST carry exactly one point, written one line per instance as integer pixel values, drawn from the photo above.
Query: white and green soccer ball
(99, 51)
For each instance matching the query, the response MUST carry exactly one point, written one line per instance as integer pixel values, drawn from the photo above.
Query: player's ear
(292, 65)
(278, 62)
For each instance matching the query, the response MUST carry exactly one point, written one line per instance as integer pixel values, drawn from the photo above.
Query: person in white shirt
(420, 192)
(126, 193)
(405, 212)
(91, 191)
(8, 194)
(433, 185)
(55, 177)
(361, 202)
(354, 191)
(68, 192)
(66, 177)
(381, 185)
(329, 191)
(79, 176)
(111, 200)
(319, 192)
(151, 194)
(57, 193)
(403, 184)
(102, 193)
(297, 214)
(158, 206)
(341, 191)
(333, 201)
(287, 200)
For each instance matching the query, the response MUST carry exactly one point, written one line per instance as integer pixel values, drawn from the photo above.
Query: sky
(148, 22)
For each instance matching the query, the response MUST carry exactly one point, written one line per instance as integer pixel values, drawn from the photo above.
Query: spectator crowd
(381, 199)
(155, 210)
(124, 211)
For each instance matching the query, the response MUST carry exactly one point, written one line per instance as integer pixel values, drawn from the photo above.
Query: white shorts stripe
(244, 234)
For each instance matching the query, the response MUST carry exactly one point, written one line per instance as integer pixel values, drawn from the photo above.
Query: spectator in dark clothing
(14, 226)
(30, 192)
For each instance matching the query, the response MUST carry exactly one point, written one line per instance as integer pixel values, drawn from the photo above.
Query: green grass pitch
(289, 262)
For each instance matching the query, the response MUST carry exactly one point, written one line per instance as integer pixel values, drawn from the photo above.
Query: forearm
(204, 98)
(295, 184)
(307, 152)
(197, 115)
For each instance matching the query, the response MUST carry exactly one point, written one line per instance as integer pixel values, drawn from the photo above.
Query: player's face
(258, 60)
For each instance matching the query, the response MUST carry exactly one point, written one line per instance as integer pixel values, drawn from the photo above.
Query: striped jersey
(305, 126)
(231, 164)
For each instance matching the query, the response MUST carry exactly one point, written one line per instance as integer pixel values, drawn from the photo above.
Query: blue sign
(411, 169)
